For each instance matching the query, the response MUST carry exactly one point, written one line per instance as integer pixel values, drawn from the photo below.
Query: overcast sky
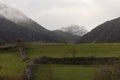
(54, 14)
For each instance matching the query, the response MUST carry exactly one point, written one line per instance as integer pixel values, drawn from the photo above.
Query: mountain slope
(66, 36)
(18, 17)
(108, 32)
(9, 31)
(14, 24)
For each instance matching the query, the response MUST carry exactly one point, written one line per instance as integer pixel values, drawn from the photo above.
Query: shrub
(109, 72)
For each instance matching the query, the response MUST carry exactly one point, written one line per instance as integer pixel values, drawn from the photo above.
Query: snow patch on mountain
(75, 29)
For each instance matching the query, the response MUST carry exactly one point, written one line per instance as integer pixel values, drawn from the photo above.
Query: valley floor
(11, 67)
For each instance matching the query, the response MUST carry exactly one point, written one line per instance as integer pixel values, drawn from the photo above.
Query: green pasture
(81, 50)
(65, 72)
(11, 66)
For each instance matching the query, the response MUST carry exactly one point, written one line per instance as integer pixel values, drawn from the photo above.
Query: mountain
(108, 32)
(18, 17)
(1, 42)
(66, 36)
(14, 24)
(75, 29)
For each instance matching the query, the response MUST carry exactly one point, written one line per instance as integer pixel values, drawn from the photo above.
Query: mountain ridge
(108, 32)
(14, 24)
(68, 37)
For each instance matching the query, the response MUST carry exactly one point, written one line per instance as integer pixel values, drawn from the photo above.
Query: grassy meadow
(65, 50)
(65, 72)
(11, 66)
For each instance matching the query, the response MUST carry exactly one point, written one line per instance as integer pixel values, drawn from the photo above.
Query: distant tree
(66, 42)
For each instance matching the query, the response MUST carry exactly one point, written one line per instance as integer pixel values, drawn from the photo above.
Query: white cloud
(54, 14)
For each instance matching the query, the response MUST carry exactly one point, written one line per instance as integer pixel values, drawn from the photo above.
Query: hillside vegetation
(107, 32)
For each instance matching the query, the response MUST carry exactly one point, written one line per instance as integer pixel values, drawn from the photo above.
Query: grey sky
(54, 14)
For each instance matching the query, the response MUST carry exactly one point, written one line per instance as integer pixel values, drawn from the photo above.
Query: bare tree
(21, 49)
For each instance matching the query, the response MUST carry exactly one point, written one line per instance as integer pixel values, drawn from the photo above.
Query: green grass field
(11, 66)
(65, 72)
(82, 50)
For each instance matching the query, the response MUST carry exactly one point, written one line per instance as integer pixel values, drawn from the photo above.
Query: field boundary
(78, 60)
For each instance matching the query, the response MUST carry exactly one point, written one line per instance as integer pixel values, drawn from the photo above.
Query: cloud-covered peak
(12, 14)
(56, 13)
(2, 6)
(75, 29)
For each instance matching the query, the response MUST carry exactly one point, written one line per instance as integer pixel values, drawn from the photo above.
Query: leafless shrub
(109, 72)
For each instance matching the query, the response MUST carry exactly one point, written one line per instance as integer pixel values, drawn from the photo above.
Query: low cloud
(54, 14)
